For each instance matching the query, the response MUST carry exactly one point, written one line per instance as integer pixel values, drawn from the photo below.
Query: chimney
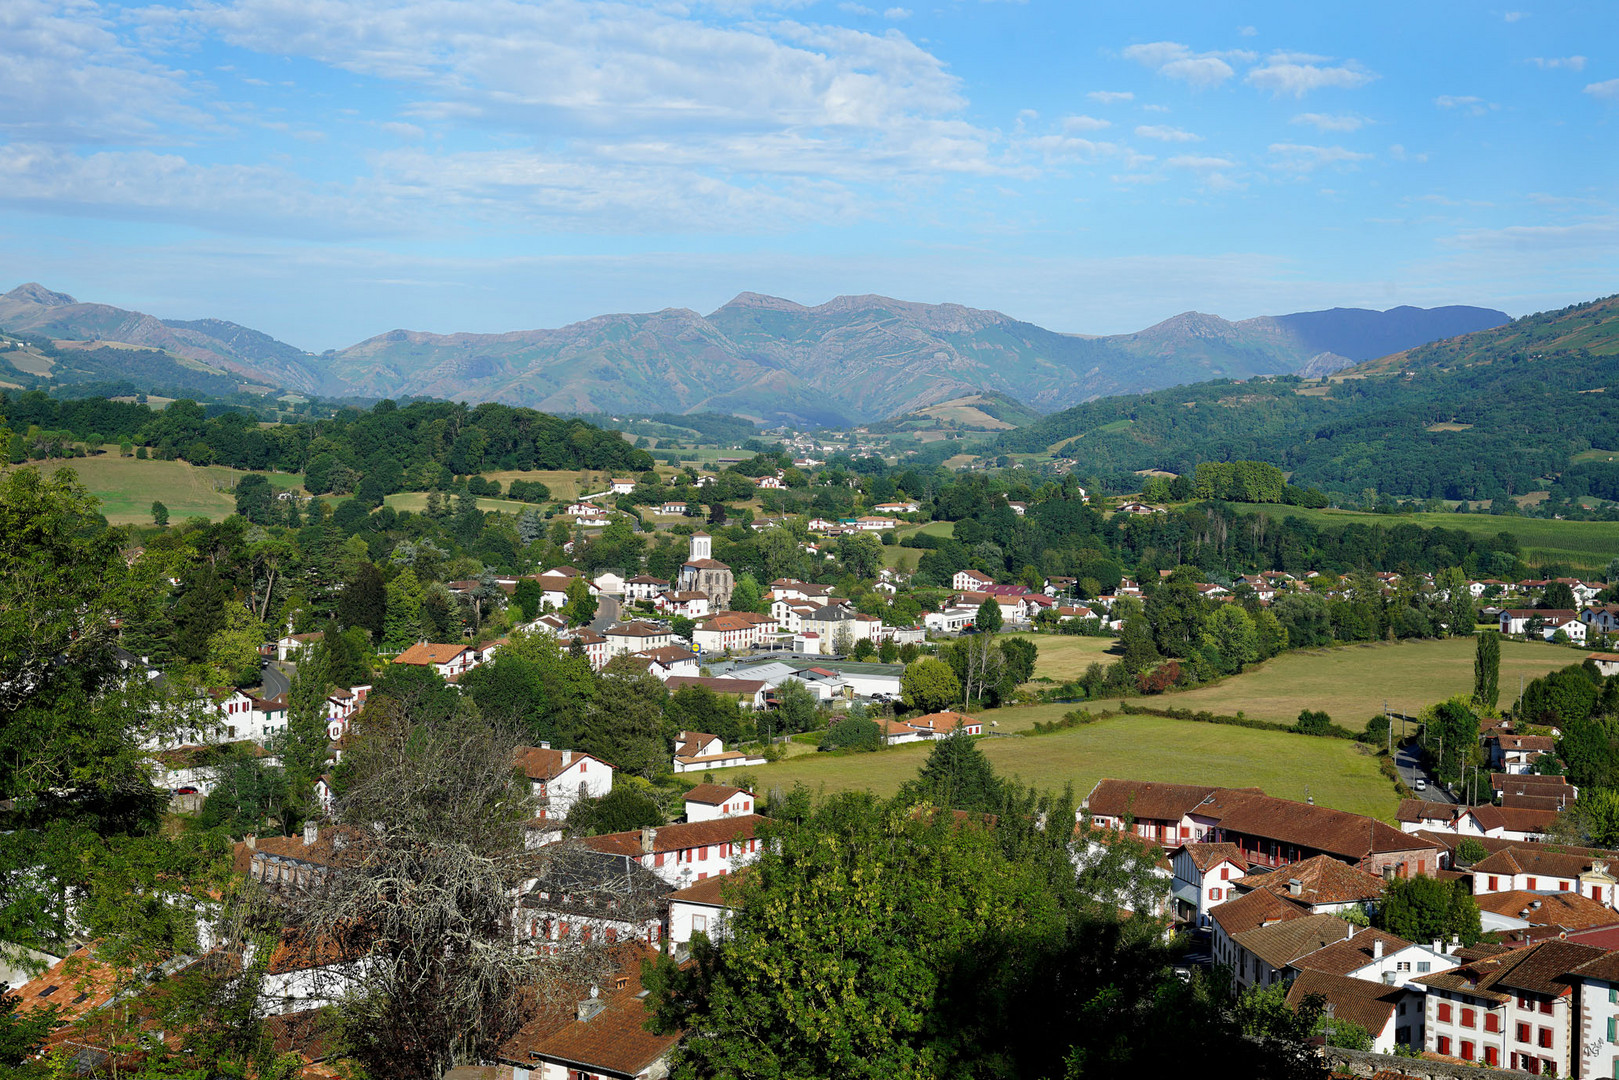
(567, 758)
(251, 841)
(1294, 886)
(545, 744)
(1377, 949)
(592, 1005)
(1438, 946)
(311, 833)
(649, 836)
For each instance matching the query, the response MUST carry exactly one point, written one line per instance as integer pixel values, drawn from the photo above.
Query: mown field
(1061, 657)
(1351, 682)
(897, 556)
(1335, 772)
(1587, 544)
(127, 487)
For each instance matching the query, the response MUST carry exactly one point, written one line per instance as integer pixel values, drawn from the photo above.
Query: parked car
(1421, 785)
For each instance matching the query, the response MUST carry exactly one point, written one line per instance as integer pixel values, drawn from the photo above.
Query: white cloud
(1155, 108)
(1604, 90)
(1110, 97)
(1514, 16)
(1475, 106)
(1572, 63)
(1400, 153)
(1166, 134)
(1331, 122)
(1300, 73)
(404, 131)
(897, 13)
(1248, 31)
(1084, 123)
(1173, 60)
(856, 9)
(1299, 157)
(1200, 163)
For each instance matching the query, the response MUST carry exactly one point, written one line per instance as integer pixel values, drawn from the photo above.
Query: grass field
(895, 555)
(1335, 772)
(1351, 682)
(1061, 657)
(127, 487)
(1588, 544)
(417, 501)
(564, 484)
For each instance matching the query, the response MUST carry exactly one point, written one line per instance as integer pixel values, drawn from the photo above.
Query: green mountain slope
(1481, 417)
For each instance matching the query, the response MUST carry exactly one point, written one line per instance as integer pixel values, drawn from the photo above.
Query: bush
(1313, 722)
(853, 733)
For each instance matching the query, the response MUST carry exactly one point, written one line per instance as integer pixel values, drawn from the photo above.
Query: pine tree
(1487, 670)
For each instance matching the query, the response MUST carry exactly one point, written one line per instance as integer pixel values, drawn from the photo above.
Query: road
(276, 679)
(606, 613)
(1408, 760)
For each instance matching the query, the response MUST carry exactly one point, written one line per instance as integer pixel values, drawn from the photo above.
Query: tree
(797, 708)
(854, 731)
(1231, 633)
(402, 618)
(1426, 909)
(746, 594)
(1135, 638)
(255, 500)
(1470, 851)
(1595, 817)
(581, 606)
(629, 805)
(929, 685)
(1559, 596)
(1313, 722)
(956, 775)
(861, 555)
(23, 1034)
(988, 620)
(160, 513)
(364, 601)
(529, 597)
(624, 722)
(1487, 670)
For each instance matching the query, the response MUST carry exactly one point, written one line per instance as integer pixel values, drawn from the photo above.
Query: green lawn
(895, 557)
(127, 487)
(1351, 682)
(1335, 772)
(1588, 544)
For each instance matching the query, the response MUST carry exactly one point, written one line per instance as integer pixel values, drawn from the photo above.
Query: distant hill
(1496, 413)
(249, 355)
(853, 359)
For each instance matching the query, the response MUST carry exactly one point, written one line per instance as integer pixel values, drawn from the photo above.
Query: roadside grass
(127, 487)
(1334, 772)
(1588, 544)
(1351, 682)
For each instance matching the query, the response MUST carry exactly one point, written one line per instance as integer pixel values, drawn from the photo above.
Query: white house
(560, 778)
(700, 908)
(697, 751)
(970, 581)
(1597, 984)
(622, 486)
(1531, 868)
(637, 636)
(1516, 621)
(288, 645)
(951, 620)
(450, 661)
(1390, 1014)
(644, 588)
(706, 802)
(682, 854)
(1205, 877)
(609, 582)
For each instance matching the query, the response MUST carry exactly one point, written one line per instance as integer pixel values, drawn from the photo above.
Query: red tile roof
(713, 794)
(1322, 880)
(1352, 953)
(1254, 910)
(1568, 910)
(428, 653)
(678, 837)
(539, 763)
(1358, 1001)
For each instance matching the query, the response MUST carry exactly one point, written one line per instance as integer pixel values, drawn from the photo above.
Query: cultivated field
(127, 487)
(1588, 544)
(1335, 772)
(1351, 682)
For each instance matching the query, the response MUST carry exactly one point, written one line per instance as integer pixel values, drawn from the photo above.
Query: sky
(327, 170)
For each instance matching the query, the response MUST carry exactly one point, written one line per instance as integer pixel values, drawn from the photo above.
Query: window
(1214, 894)
(1546, 1006)
(1492, 1022)
(1444, 1012)
(1523, 1002)
(658, 859)
(1492, 1056)
(1546, 1037)
(1523, 1033)
(1530, 884)
(1467, 1050)
(1225, 873)
(1424, 966)
(1402, 965)
(1562, 886)
(1495, 885)
(1469, 1018)
(699, 924)
(1444, 1045)
(1613, 1029)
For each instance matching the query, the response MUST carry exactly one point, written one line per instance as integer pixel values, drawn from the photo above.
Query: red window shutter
(1444, 1012)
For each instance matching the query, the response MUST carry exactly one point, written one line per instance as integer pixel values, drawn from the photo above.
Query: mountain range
(852, 359)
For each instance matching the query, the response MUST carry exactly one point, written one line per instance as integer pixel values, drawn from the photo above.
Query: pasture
(127, 487)
(1334, 772)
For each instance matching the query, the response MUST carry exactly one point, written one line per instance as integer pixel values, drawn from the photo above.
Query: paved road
(276, 679)
(606, 613)
(1408, 760)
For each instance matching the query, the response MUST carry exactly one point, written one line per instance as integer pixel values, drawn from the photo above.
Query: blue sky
(326, 170)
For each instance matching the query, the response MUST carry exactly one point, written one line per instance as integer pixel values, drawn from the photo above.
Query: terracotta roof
(1281, 943)
(538, 763)
(428, 653)
(729, 621)
(1205, 856)
(1414, 810)
(638, 629)
(1542, 743)
(1146, 799)
(1530, 784)
(1554, 803)
(678, 837)
(1569, 910)
(687, 743)
(1322, 880)
(1535, 860)
(614, 1040)
(1513, 818)
(1257, 909)
(713, 794)
(705, 564)
(1541, 969)
(75, 984)
(1350, 954)
(747, 687)
(1358, 1001)
(1335, 832)
(712, 891)
(941, 722)
(1604, 967)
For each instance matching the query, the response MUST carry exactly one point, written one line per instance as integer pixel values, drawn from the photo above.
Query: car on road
(1421, 785)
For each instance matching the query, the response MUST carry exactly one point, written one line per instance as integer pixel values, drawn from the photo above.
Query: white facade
(733, 805)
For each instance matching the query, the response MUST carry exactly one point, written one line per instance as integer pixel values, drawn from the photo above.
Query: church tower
(702, 547)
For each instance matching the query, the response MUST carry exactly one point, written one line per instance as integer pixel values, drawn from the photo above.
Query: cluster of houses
(1283, 888)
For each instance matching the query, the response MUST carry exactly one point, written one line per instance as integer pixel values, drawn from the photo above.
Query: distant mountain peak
(35, 293)
(762, 301)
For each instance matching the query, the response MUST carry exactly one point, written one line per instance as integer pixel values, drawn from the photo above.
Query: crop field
(1351, 682)
(1334, 772)
(127, 487)
(1588, 544)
